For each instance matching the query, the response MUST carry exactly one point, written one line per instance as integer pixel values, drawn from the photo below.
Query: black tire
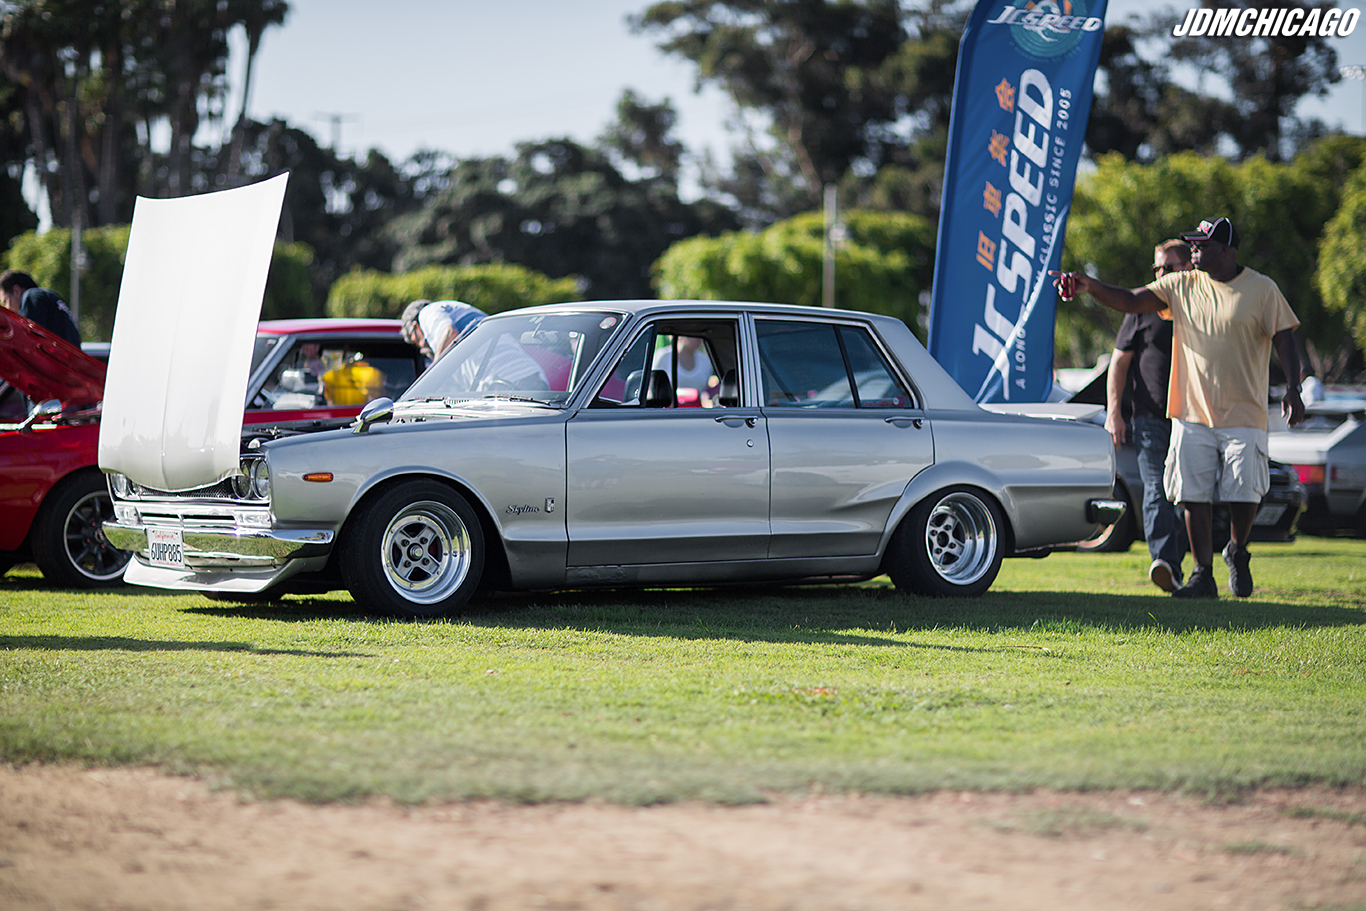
(1116, 537)
(415, 550)
(68, 542)
(950, 545)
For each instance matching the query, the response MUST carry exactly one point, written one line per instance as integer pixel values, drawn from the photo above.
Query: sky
(474, 77)
(470, 77)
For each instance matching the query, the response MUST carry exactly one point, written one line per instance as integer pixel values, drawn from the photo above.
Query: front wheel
(950, 545)
(68, 541)
(416, 550)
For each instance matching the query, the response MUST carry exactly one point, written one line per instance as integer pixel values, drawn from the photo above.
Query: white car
(1328, 452)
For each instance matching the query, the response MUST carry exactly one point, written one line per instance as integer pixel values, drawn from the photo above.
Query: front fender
(511, 469)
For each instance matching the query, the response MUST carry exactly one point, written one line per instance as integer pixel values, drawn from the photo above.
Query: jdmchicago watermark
(1267, 23)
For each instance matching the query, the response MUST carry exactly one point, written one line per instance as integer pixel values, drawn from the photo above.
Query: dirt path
(132, 839)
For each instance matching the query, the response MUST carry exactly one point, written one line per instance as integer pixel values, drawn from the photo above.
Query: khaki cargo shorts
(1231, 460)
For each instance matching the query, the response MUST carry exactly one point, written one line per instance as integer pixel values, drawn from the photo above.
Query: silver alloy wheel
(960, 538)
(86, 546)
(426, 552)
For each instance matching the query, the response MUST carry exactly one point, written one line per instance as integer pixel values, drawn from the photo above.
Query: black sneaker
(1201, 584)
(1239, 574)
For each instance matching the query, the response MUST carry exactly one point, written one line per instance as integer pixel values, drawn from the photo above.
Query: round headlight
(241, 484)
(260, 479)
(120, 485)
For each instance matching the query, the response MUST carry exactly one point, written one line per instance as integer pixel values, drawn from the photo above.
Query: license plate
(166, 547)
(1269, 514)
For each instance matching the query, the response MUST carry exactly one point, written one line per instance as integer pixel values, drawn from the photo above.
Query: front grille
(220, 491)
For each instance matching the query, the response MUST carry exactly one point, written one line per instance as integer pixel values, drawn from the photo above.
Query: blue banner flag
(1020, 102)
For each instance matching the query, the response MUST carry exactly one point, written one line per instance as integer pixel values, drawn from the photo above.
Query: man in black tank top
(1137, 384)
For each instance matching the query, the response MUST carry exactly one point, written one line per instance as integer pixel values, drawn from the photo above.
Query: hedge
(490, 287)
(47, 257)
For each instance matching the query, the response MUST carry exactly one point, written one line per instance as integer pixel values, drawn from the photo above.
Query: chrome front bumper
(224, 558)
(235, 548)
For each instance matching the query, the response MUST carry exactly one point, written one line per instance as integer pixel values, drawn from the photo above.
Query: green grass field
(1072, 673)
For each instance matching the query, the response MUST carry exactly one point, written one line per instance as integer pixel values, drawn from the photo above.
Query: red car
(53, 497)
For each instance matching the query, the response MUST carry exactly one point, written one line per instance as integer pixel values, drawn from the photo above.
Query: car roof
(1344, 405)
(98, 350)
(646, 306)
(327, 325)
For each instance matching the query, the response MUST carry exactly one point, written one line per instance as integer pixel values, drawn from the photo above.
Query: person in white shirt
(695, 369)
(433, 326)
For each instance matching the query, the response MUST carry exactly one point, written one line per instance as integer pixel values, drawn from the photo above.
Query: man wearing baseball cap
(433, 326)
(1226, 318)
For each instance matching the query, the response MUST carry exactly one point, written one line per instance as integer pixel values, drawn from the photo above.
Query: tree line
(854, 94)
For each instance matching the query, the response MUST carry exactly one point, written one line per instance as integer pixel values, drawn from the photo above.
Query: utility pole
(828, 270)
(336, 118)
(834, 235)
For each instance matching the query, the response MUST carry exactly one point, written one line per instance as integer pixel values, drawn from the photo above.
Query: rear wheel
(416, 550)
(68, 541)
(950, 545)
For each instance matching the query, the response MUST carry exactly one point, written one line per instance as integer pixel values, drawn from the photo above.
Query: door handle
(734, 420)
(917, 423)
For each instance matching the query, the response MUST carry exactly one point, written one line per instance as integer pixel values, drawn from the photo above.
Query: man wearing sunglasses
(1226, 318)
(1140, 369)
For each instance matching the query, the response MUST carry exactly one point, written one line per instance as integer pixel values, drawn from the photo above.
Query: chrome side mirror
(378, 411)
(44, 409)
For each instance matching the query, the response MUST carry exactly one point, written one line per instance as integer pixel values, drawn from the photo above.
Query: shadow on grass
(14, 582)
(122, 644)
(829, 614)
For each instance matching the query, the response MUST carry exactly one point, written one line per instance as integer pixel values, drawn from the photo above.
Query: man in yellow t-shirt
(1226, 318)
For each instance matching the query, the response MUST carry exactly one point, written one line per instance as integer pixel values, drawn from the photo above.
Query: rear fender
(949, 474)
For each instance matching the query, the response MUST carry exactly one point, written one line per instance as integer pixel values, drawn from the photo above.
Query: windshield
(538, 357)
(265, 344)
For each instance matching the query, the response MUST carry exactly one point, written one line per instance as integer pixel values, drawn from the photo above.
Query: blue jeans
(1162, 519)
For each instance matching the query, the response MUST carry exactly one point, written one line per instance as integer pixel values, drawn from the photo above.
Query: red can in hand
(1067, 286)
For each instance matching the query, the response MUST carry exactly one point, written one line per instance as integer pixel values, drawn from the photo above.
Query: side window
(817, 365)
(800, 365)
(689, 363)
(627, 381)
(876, 386)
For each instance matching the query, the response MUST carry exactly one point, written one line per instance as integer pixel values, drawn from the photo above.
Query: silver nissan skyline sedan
(635, 443)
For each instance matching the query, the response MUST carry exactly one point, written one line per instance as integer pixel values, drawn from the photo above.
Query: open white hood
(188, 307)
